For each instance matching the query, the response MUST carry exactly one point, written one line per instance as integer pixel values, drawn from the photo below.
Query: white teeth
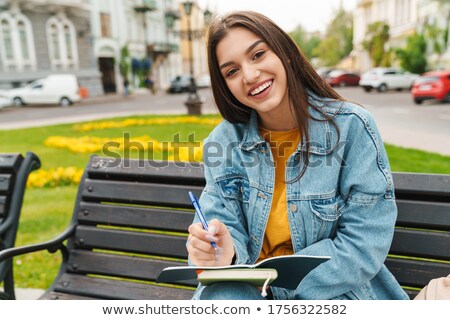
(261, 88)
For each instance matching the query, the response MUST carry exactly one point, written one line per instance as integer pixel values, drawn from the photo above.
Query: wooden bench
(130, 221)
(14, 171)
(420, 250)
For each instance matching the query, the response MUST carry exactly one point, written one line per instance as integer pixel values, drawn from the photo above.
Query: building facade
(404, 17)
(436, 13)
(140, 26)
(38, 38)
(87, 38)
(400, 15)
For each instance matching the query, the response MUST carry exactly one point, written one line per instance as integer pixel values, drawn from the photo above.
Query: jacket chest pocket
(236, 193)
(325, 214)
(235, 189)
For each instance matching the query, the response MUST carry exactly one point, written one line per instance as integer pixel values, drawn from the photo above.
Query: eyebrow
(226, 64)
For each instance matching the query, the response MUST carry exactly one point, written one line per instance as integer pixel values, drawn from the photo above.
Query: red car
(432, 85)
(341, 78)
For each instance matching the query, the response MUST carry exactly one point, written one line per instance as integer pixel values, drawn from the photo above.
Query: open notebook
(290, 270)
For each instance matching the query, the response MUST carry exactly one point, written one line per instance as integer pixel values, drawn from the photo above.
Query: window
(68, 40)
(62, 46)
(7, 41)
(23, 40)
(105, 20)
(55, 42)
(16, 42)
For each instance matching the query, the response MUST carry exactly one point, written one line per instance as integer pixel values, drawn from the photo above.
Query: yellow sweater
(277, 238)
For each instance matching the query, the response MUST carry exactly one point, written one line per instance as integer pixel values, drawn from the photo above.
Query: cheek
(236, 90)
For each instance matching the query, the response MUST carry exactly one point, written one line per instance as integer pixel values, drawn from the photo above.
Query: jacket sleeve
(366, 225)
(214, 206)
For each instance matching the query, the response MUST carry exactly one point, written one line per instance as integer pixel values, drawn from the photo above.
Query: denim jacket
(343, 206)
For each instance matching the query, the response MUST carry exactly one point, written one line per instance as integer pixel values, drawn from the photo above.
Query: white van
(59, 89)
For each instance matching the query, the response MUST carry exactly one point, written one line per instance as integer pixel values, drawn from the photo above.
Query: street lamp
(193, 102)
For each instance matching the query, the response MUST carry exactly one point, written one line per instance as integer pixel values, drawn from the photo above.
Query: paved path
(407, 126)
(28, 294)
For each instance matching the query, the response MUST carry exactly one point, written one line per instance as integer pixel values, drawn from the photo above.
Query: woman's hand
(202, 253)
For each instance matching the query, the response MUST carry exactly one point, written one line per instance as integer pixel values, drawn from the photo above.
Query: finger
(202, 245)
(219, 228)
(199, 255)
(197, 231)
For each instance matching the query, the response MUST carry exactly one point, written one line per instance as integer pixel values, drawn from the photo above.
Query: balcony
(144, 5)
(54, 5)
(165, 47)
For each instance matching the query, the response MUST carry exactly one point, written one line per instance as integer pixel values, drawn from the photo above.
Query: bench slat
(147, 171)
(130, 241)
(117, 289)
(421, 214)
(10, 162)
(2, 206)
(142, 193)
(419, 186)
(434, 245)
(138, 217)
(52, 295)
(88, 262)
(415, 273)
(5, 183)
(411, 293)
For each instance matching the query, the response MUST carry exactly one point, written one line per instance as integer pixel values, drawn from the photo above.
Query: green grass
(411, 160)
(47, 212)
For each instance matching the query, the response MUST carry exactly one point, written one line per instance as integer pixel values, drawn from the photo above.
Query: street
(401, 122)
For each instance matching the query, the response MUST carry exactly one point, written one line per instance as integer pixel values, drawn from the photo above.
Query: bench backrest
(9, 165)
(420, 250)
(14, 171)
(131, 221)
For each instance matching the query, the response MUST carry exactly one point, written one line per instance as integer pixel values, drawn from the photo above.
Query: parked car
(5, 101)
(204, 81)
(325, 71)
(180, 84)
(342, 78)
(59, 89)
(383, 79)
(432, 85)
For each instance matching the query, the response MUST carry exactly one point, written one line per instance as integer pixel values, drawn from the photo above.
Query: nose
(251, 74)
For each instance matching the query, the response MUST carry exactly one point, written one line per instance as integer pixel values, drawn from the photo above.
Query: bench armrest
(30, 163)
(52, 246)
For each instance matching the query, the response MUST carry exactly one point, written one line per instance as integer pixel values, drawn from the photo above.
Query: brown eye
(258, 55)
(231, 72)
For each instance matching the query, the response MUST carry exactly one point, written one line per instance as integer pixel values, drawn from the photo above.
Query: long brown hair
(301, 76)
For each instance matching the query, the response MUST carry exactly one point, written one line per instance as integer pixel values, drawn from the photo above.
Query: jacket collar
(322, 135)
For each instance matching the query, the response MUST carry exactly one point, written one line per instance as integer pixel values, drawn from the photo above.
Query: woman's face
(255, 76)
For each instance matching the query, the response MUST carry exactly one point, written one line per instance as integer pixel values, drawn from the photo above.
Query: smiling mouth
(261, 88)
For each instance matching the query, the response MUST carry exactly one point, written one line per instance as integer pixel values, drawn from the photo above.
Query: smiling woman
(293, 169)
(252, 72)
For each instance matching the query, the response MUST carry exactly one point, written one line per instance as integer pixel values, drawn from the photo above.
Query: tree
(124, 63)
(438, 38)
(306, 41)
(328, 51)
(413, 56)
(338, 40)
(377, 37)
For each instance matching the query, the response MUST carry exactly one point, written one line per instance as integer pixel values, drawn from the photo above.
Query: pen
(200, 215)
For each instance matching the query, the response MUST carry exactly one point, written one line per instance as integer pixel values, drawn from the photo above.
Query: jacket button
(293, 207)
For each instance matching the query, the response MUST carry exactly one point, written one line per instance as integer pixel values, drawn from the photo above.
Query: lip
(257, 85)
